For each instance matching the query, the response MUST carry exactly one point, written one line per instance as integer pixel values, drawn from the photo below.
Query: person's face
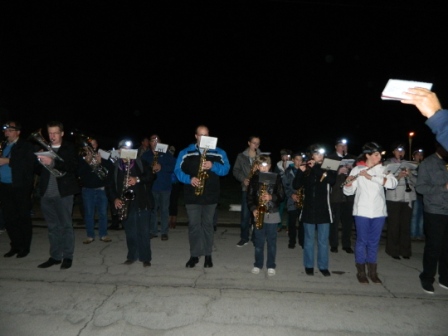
(94, 144)
(399, 153)
(11, 133)
(153, 141)
(264, 167)
(254, 144)
(318, 157)
(374, 158)
(201, 131)
(145, 142)
(418, 157)
(286, 157)
(298, 160)
(55, 135)
(341, 148)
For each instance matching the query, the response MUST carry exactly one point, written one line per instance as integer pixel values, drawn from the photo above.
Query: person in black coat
(316, 212)
(57, 186)
(16, 186)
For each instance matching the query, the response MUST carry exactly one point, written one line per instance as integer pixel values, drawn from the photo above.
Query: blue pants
(200, 229)
(323, 232)
(368, 234)
(136, 227)
(95, 199)
(266, 234)
(417, 218)
(162, 205)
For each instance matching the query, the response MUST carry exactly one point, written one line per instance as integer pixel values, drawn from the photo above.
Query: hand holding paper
(395, 88)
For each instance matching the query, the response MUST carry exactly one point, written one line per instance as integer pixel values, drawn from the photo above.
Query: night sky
(292, 72)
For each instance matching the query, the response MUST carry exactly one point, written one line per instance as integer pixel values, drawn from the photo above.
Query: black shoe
(113, 227)
(164, 237)
(427, 287)
(325, 272)
(146, 264)
(66, 263)
(50, 262)
(12, 252)
(241, 243)
(334, 250)
(397, 257)
(208, 262)
(129, 262)
(309, 271)
(192, 262)
(23, 253)
(348, 250)
(152, 235)
(291, 246)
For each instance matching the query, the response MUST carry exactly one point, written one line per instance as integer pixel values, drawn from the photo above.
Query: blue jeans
(417, 218)
(57, 212)
(95, 199)
(200, 229)
(266, 234)
(368, 234)
(136, 228)
(245, 218)
(162, 204)
(323, 232)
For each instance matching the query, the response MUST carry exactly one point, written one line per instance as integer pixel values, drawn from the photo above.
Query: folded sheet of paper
(395, 87)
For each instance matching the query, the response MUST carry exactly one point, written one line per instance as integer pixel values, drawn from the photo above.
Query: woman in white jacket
(367, 181)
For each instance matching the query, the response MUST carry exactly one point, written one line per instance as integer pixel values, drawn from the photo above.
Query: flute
(354, 177)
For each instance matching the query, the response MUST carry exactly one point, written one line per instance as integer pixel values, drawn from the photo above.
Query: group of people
(364, 191)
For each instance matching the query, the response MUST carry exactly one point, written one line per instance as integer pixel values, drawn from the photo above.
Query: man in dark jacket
(341, 205)
(16, 187)
(200, 169)
(57, 185)
(130, 192)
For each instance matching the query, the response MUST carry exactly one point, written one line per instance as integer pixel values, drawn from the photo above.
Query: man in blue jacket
(200, 170)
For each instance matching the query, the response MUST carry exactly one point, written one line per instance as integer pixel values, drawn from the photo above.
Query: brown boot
(361, 275)
(372, 273)
(173, 220)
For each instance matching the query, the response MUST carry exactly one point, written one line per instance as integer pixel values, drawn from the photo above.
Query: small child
(271, 195)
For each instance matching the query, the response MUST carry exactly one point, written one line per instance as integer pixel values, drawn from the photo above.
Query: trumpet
(37, 136)
(88, 150)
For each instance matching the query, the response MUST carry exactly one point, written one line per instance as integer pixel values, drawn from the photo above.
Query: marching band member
(369, 209)
(316, 212)
(200, 172)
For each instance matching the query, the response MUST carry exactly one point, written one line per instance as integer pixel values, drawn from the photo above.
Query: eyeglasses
(8, 127)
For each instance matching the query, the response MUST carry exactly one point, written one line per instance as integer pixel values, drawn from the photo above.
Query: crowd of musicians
(363, 194)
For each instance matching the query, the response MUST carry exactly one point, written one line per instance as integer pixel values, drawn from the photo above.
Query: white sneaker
(255, 270)
(443, 286)
(271, 271)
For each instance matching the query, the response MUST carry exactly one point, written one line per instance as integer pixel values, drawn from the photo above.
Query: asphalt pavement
(99, 295)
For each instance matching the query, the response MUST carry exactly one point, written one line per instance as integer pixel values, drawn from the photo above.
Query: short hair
(264, 158)
(55, 123)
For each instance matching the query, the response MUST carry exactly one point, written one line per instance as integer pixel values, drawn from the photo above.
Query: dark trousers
(16, 206)
(342, 213)
(398, 229)
(295, 227)
(435, 252)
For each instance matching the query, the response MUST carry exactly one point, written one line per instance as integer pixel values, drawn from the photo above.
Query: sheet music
(395, 87)
(208, 142)
(161, 148)
(128, 154)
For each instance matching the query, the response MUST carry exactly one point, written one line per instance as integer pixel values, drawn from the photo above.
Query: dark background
(292, 72)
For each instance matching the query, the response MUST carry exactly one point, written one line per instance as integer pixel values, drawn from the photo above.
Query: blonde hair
(264, 158)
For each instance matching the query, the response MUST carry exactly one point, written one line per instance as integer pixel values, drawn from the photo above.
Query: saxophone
(202, 175)
(300, 197)
(127, 195)
(155, 159)
(262, 207)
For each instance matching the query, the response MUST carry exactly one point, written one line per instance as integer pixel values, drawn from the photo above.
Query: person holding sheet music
(399, 205)
(162, 163)
(341, 204)
(367, 181)
(429, 106)
(316, 212)
(265, 189)
(199, 167)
